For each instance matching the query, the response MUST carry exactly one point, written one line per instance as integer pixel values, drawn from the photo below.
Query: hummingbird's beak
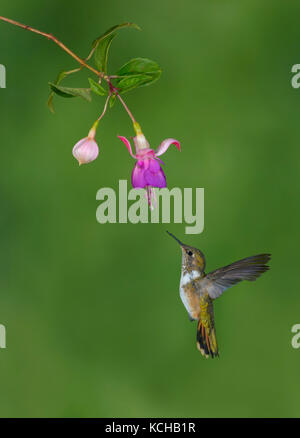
(177, 240)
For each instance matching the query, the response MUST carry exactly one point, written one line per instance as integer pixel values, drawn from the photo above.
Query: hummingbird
(199, 290)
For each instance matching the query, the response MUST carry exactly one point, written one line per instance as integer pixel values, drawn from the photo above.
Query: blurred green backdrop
(95, 325)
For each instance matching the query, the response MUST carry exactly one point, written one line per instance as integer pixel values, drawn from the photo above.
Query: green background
(95, 325)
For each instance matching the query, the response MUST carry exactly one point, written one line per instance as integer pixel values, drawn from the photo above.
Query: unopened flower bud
(86, 150)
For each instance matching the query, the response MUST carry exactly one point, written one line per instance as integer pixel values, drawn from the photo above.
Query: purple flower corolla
(86, 149)
(147, 172)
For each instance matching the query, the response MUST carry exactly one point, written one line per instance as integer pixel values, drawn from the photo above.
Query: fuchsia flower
(86, 149)
(147, 172)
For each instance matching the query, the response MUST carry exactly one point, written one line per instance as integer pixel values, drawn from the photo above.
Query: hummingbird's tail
(206, 332)
(206, 340)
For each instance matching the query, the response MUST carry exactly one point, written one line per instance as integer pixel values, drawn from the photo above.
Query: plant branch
(55, 40)
(78, 59)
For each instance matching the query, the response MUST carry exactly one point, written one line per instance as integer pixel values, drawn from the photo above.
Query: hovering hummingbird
(198, 290)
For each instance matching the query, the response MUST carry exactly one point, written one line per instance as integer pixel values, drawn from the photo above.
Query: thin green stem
(115, 91)
(105, 107)
(126, 107)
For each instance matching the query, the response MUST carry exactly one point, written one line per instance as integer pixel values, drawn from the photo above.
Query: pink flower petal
(157, 179)
(128, 145)
(165, 145)
(154, 166)
(144, 154)
(137, 176)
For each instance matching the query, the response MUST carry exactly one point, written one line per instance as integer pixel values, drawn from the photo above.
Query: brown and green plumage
(198, 290)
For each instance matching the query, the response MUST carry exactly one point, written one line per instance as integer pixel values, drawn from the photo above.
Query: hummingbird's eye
(190, 253)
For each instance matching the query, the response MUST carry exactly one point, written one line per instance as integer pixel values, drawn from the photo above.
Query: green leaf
(97, 88)
(59, 78)
(71, 92)
(101, 53)
(112, 30)
(142, 71)
(102, 44)
(132, 81)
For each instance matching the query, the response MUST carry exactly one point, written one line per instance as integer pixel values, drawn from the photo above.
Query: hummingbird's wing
(247, 269)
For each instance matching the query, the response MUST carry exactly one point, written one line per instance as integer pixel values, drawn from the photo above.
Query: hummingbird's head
(192, 258)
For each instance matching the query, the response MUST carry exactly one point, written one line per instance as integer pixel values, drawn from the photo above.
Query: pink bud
(86, 150)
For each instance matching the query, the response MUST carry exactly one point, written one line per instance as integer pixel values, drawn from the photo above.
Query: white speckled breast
(187, 277)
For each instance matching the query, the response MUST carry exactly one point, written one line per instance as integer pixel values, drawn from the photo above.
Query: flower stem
(78, 59)
(115, 91)
(105, 107)
(126, 107)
